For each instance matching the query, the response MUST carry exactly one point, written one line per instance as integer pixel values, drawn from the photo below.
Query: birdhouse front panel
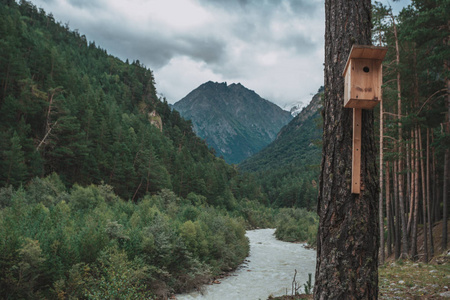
(364, 84)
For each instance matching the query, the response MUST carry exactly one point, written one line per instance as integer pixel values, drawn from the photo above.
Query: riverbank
(269, 269)
(409, 280)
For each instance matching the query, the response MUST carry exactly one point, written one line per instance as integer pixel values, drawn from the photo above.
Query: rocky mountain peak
(234, 120)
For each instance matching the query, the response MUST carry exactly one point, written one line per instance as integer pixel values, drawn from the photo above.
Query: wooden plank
(356, 151)
(358, 103)
(366, 51)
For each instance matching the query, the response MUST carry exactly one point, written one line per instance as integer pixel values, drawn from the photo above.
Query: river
(269, 270)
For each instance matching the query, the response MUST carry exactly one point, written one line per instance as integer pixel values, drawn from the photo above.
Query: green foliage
(89, 243)
(256, 214)
(308, 285)
(297, 225)
(115, 277)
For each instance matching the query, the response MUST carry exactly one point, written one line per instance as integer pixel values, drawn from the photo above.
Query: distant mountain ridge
(233, 120)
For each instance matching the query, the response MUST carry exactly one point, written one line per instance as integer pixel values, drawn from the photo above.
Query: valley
(108, 191)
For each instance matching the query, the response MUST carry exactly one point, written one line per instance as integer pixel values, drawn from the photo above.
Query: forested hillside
(288, 168)
(70, 108)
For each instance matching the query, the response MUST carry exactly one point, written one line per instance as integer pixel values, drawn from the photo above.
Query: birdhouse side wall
(347, 80)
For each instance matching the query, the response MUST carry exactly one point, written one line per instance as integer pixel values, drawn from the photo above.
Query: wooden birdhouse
(363, 77)
(362, 90)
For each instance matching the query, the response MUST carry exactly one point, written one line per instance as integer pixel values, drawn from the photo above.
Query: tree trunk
(415, 178)
(430, 219)
(400, 148)
(436, 191)
(424, 198)
(380, 200)
(388, 212)
(445, 200)
(347, 246)
(397, 213)
(409, 187)
(446, 175)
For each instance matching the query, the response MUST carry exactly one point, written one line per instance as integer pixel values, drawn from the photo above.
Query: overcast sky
(274, 47)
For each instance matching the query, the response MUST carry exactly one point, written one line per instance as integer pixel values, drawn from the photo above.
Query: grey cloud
(210, 50)
(305, 7)
(84, 3)
(301, 7)
(299, 43)
(158, 48)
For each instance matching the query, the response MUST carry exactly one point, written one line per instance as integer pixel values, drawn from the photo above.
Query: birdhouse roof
(368, 52)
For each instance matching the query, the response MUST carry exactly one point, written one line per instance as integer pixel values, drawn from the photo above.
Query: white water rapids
(269, 270)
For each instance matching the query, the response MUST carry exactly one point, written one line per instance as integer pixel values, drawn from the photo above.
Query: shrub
(297, 225)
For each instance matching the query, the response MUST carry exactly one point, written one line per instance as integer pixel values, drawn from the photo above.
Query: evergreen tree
(347, 245)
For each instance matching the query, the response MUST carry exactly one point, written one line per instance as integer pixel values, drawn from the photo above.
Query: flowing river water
(269, 270)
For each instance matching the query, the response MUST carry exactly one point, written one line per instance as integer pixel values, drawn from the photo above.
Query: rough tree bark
(348, 237)
(404, 250)
(430, 221)
(380, 199)
(424, 198)
(446, 172)
(388, 212)
(415, 192)
(397, 212)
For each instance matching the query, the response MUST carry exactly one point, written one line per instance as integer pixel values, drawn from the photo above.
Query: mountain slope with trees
(70, 108)
(232, 119)
(288, 168)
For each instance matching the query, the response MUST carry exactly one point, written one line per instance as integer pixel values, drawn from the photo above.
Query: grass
(412, 280)
(407, 280)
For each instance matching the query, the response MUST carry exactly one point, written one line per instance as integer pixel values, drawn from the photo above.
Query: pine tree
(347, 254)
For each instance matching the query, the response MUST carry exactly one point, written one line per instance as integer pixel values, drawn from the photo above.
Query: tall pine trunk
(404, 249)
(347, 246)
(409, 186)
(397, 213)
(436, 190)
(445, 200)
(415, 192)
(388, 212)
(446, 174)
(380, 200)
(424, 198)
(430, 219)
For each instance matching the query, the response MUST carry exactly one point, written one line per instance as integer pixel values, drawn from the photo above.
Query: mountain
(233, 120)
(294, 107)
(288, 167)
